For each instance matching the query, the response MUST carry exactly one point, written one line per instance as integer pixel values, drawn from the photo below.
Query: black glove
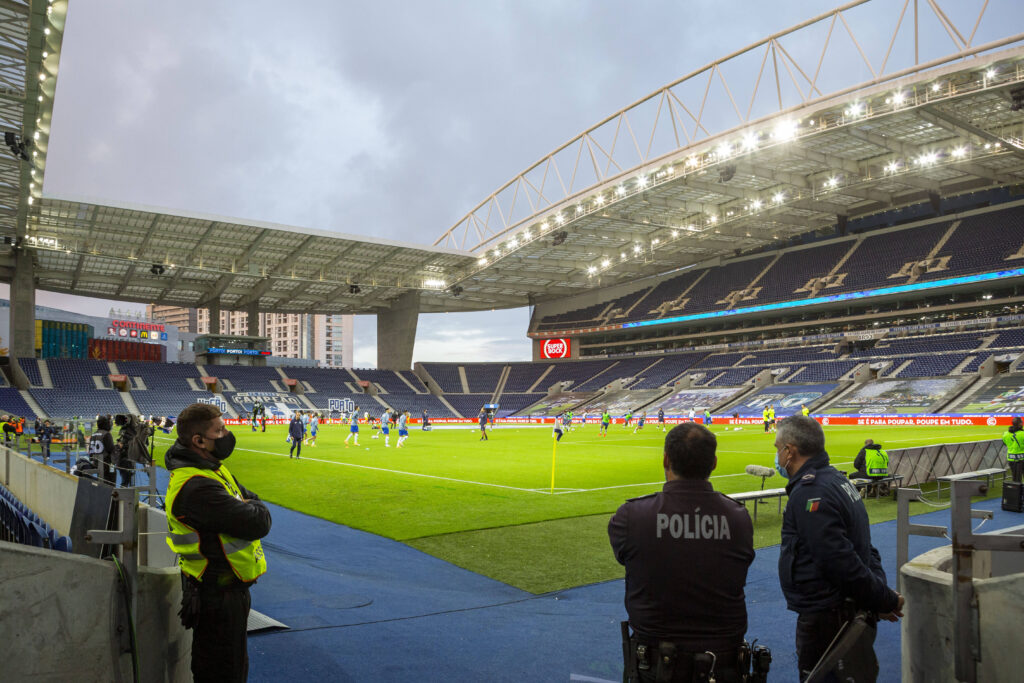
(190, 601)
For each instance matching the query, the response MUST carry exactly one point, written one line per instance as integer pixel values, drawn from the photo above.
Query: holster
(190, 602)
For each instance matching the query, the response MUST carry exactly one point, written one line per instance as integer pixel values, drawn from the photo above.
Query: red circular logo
(555, 348)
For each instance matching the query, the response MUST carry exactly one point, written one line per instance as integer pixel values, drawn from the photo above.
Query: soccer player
(353, 429)
(661, 418)
(767, 420)
(628, 417)
(606, 419)
(691, 416)
(640, 422)
(583, 423)
(383, 425)
(482, 418)
(707, 417)
(556, 432)
(403, 429)
(771, 418)
(314, 426)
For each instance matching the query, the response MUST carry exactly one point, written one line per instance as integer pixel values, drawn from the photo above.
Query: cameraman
(101, 450)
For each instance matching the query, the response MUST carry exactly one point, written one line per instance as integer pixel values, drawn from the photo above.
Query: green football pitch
(489, 506)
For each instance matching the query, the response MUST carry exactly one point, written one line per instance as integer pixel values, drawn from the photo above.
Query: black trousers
(815, 632)
(219, 648)
(1017, 469)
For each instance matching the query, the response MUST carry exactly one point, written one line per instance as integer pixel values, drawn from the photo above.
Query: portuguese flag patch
(812, 504)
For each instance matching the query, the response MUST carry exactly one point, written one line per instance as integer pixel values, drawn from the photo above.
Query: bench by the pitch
(977, 474)
(867, 486)
(757, 496)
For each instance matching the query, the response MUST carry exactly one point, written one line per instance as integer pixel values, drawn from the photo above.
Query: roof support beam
(219, 287)
(955, 124)
(253, 297)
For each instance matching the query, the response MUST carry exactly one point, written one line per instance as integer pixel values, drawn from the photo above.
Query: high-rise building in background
(327, 339)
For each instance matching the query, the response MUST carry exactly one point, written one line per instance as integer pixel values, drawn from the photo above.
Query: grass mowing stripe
(390, 471)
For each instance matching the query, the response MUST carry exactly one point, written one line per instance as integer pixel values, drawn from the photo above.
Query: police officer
(1014, 440)
(215, 525)
(827, 566)
(686, 551)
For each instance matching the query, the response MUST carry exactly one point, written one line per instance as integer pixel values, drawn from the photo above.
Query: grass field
(489, 507)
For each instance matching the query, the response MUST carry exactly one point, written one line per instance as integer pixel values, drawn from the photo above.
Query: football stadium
(768, 236)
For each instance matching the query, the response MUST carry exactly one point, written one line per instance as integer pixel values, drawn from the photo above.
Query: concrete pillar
(214, 308)
(23, 306)
(396, 332)
(252, 319)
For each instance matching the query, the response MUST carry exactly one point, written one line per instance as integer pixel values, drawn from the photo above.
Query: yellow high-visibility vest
(245, 557)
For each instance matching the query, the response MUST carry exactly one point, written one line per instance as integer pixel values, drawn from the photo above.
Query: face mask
(223, 446)
(779, 468)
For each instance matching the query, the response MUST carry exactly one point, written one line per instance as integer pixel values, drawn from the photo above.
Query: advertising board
(555, 348)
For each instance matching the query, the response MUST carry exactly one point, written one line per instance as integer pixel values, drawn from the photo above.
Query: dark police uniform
(827, 558)
(686, 551)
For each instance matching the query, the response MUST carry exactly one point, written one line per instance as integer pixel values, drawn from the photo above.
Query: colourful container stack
(62, 340)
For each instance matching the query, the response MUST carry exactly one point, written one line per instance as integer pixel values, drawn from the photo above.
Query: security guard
(686, 551)
(1014, 441)
(215, 525)
(872, 462)
(828, 568)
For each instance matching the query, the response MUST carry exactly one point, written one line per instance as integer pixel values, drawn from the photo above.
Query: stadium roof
(743, 153)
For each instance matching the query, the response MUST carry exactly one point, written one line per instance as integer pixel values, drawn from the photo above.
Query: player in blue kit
(385, 427)
(353, 430)
(403, 429)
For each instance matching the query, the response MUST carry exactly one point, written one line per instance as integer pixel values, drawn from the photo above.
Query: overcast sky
(383, 119)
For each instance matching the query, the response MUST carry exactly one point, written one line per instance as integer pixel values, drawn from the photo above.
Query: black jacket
(686, 551)
(860, 462)
(206, 506)
(827, 554)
